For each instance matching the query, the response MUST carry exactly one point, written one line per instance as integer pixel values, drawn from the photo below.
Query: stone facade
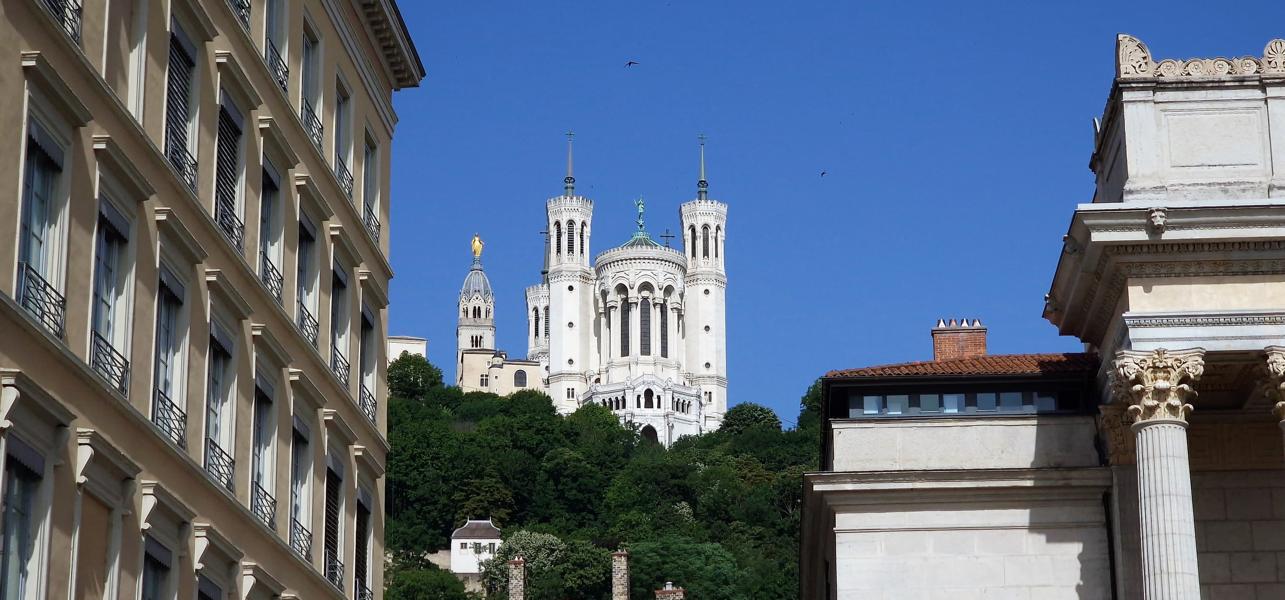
(517, 579)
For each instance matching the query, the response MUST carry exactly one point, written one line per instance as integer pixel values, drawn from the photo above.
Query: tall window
(582, 228)
(270, 231)
(108, 327)
(274, 41)
(718, 233)
(343, 139)
(334, 508)
(38, 249)
(339, 323)
(208, 590)
(157, 561)
(664, 330)
(484, 380)
(546, 322)
(262, 504)
(535, 315)
(571, 237)
(361, 551)
(370, 189)
(519, 378)
(705, 241)
(624, 327)
(366, 364)
(310, 86)
(124, 60)
(644, 327)
(168, 369)
(228, 172)
(557, 236)
(692, 231)
(180, 108)
(218, 407)
(306, 279)
(300, 495)
(22, 477)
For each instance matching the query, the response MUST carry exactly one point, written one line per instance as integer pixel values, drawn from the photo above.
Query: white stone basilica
(639, 329)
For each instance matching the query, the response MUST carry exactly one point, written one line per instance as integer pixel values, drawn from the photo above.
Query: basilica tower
(570, 293)
(705, 333)
(476, 325)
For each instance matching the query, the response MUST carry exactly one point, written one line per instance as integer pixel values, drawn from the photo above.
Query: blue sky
(955, 140)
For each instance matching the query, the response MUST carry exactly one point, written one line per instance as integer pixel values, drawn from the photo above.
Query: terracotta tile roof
(992, 364)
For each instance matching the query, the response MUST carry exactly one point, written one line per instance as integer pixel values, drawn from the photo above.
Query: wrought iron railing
(343, 175)
(170, 419)
(277, 64)
(263, 505)
(371, 221)
(182, 160)
(231, 225)
(300, 539)
(308, 324)
(363, 593)
(219, 464)
(41, 299)
(68, 13)
(339, 364)
(109, 363)
(241, 8)
(271, 277)
(334, 569)
(311, 123)
(368, 403)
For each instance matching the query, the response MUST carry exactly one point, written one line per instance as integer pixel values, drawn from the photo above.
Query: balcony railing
(109, 363)
(219, 464)
(368, 404)
(334, 569)
(229, 223)
(339, 365)
(311, 123)
(343, 175)
(241, 8)
(271, 277)
(263, 505)
(371, 221)
(300, 539)
(40, 298)
(277, 65)
(363, 593)
(68, 14)
(182, 160)
(170, 419)
(308, 324)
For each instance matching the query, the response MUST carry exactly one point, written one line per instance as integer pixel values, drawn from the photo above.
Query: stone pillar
(620, 575)
(517, 579)
(1155, 387)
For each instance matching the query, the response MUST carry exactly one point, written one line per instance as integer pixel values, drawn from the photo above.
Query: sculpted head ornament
(1156, 220)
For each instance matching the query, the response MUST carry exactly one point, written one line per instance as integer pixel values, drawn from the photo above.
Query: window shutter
(333, 484)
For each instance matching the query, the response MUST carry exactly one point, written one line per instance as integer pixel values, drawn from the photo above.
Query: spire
(702, 185)
(569, 184)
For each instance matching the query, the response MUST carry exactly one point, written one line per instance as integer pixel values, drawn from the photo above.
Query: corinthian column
(1276, 382)
(1155, 386)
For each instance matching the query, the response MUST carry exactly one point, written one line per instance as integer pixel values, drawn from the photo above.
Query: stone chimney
(670, 592)
(620, 575)
(517, 579)
(958, 339)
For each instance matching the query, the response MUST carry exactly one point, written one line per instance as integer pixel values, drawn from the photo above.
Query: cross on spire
(667, 236)
(702, 185)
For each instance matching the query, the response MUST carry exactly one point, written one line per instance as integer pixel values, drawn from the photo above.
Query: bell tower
(570, 281)
(705, 318)
(475, 329)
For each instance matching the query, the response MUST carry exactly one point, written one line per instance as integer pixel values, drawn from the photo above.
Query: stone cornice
(1134, 62)
(855, 488)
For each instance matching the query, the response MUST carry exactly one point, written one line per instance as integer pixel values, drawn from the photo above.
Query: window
(929, 403)
(156, 571)
(535, 315)
(228, 172)
(300, 490)
(664, 331)
(571, 237)
(624, 328)
(519, 378)
(343, 141)
(262, 504)
(546, 322)
(270, 232)
(692, 231)
(366, 364)
(208, 590)
(484, 380)
(557, 236)
(718, 233)
(986, 401)
(22, 479)
(306, 279)
(180, 106)
(370, 189)
(168, 369)
(644, 327)
(463, 545)
(897, 404)
(952, 403)
(109, 312)
(39, 249)
(334, 509)
(124, 66)
(705, 241)
(872, 405)
(339, 323)
(361, 549)
(648, 398)
(274, 42)
(310, 90)
(583, 226)
(218, 406)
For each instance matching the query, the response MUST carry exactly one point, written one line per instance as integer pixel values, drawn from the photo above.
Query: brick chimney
(620, 575)
(958, 339)
(670, 592)
(517, 579)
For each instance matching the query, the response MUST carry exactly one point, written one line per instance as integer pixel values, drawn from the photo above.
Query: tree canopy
(717, 514)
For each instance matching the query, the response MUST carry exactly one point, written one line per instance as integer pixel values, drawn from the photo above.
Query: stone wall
(983, 442)
(620, 575)
(1240, 533)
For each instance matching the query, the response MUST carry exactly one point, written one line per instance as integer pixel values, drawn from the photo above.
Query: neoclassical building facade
(1149, 466)
(639, 329)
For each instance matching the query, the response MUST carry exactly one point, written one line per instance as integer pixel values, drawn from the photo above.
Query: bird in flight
(823, 173)
(631, 63)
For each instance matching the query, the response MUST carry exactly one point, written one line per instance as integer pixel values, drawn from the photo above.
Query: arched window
(582, 228)
(519, 378)
(647, 398)
(465, 311)
(664, 330)
(705, 241)
(546, 322)
(535, 316)
(649, 434)
(557, 235)
(718, 233)
(644, 327)
(624, 327)
(693, 244)
(571, 237)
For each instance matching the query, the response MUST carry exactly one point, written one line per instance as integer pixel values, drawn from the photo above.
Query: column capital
(1155, 384)
(1275, 387)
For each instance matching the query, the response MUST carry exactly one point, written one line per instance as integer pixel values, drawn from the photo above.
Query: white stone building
(1164, 478)
(397, 344)
(472, 544)
(639, 329)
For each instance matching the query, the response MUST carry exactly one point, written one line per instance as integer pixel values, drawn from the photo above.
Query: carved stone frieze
(1155, 385)
(1275, 384)
(1113, 425)
(1134, 61)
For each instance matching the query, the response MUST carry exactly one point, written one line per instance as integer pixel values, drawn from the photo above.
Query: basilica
(639, 329)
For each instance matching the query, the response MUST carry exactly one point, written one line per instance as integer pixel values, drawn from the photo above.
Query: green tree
(748, 415)
(810, 407)
(541, 551)
(706, 570)
(424, 584)
(411, 377)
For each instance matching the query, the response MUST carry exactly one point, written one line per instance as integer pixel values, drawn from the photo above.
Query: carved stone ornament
(1134, 61)
(1275, 387)
(1274, 57)
(1155, 384)
(1156, 220)
(1113, 424)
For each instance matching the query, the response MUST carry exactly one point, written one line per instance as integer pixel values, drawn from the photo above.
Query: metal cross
(667, 236)
(702, 138)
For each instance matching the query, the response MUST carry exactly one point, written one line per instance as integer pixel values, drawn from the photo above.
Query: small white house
(405, 343)
(472, 544)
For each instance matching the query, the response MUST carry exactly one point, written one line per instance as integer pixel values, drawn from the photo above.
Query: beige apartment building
(193, 296)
